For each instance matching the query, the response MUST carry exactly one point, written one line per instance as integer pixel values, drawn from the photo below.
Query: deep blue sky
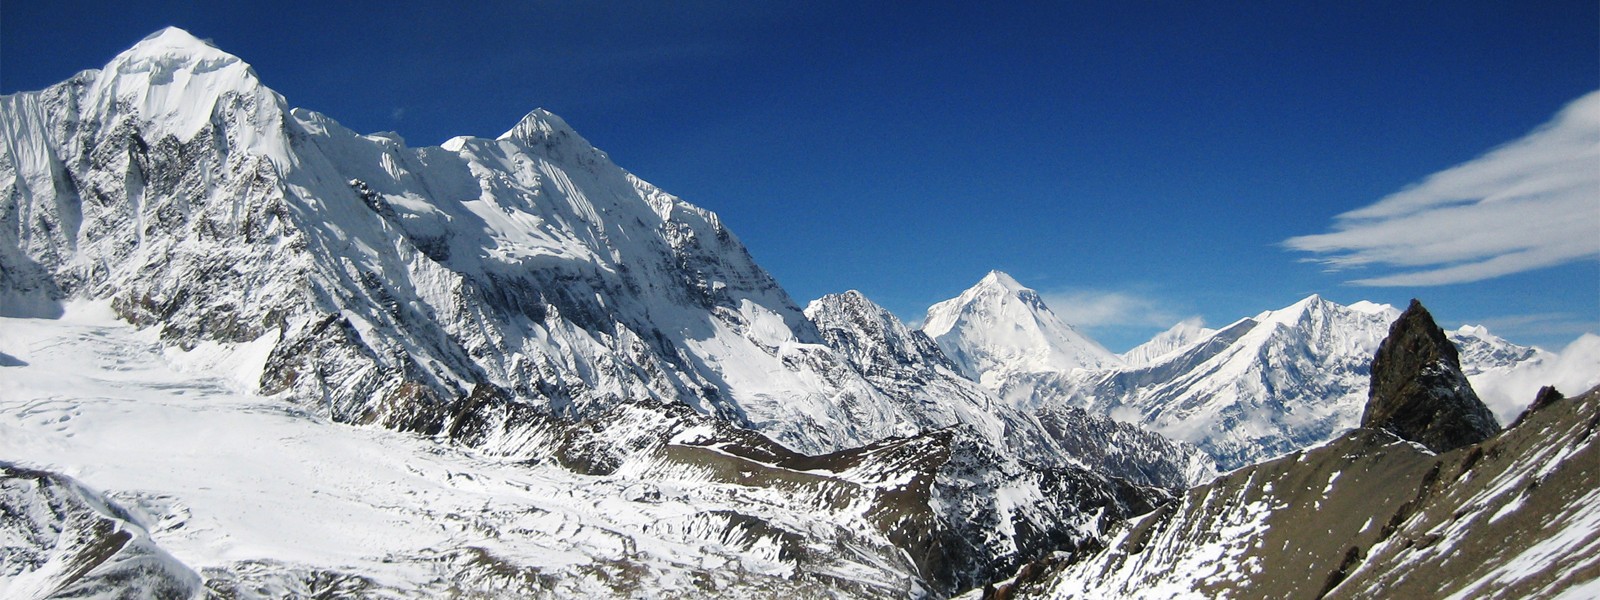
(1145, 161)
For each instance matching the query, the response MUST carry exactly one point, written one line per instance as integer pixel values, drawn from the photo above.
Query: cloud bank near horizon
(1090, 309)
(1529, 204)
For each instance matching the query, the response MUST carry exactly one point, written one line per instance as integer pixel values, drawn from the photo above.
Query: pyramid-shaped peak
(999, 324)
(175, 43)
(1001, 279)
(540, 125)
(1310, 305)
(171, 37)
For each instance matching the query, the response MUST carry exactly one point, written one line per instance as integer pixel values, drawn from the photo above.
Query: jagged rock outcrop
(1418, 391)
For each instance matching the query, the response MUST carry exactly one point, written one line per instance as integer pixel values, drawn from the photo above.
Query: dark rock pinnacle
(1418, 391)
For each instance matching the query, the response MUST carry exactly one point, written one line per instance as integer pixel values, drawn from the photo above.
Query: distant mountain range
(1256, 388)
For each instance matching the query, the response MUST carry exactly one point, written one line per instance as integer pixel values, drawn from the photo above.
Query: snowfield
(230, 482)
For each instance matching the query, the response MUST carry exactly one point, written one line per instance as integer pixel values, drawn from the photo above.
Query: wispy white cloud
(1549, 330)
(1106, 308)
(1529, 204)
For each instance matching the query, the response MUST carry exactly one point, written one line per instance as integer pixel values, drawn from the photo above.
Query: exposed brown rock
(1418, 391)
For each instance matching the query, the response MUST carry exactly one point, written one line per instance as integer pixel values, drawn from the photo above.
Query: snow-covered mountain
(1257, 388)
(998, 331)
(1291, 378)
(1174, 339)
(395, 279)
(1375, 513)
(520, 302)
(1506, 386)
(906, 365)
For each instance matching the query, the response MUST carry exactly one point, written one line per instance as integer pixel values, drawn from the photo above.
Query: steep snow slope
(60, 539)
(998, 330)
(1257, 388)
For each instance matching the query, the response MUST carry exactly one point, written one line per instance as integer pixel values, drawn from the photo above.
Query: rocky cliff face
(1418, 391)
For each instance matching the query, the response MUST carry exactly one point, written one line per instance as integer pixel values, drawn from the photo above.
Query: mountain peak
(1418, 391)
(171, 49)
(1001, 324)
(173, 83)
(1173, 339)
(541, 126)
(171, 37)
(998, 278)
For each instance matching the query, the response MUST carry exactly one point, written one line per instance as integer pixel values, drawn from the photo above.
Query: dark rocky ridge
(1418, 391)
(1367, 516)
